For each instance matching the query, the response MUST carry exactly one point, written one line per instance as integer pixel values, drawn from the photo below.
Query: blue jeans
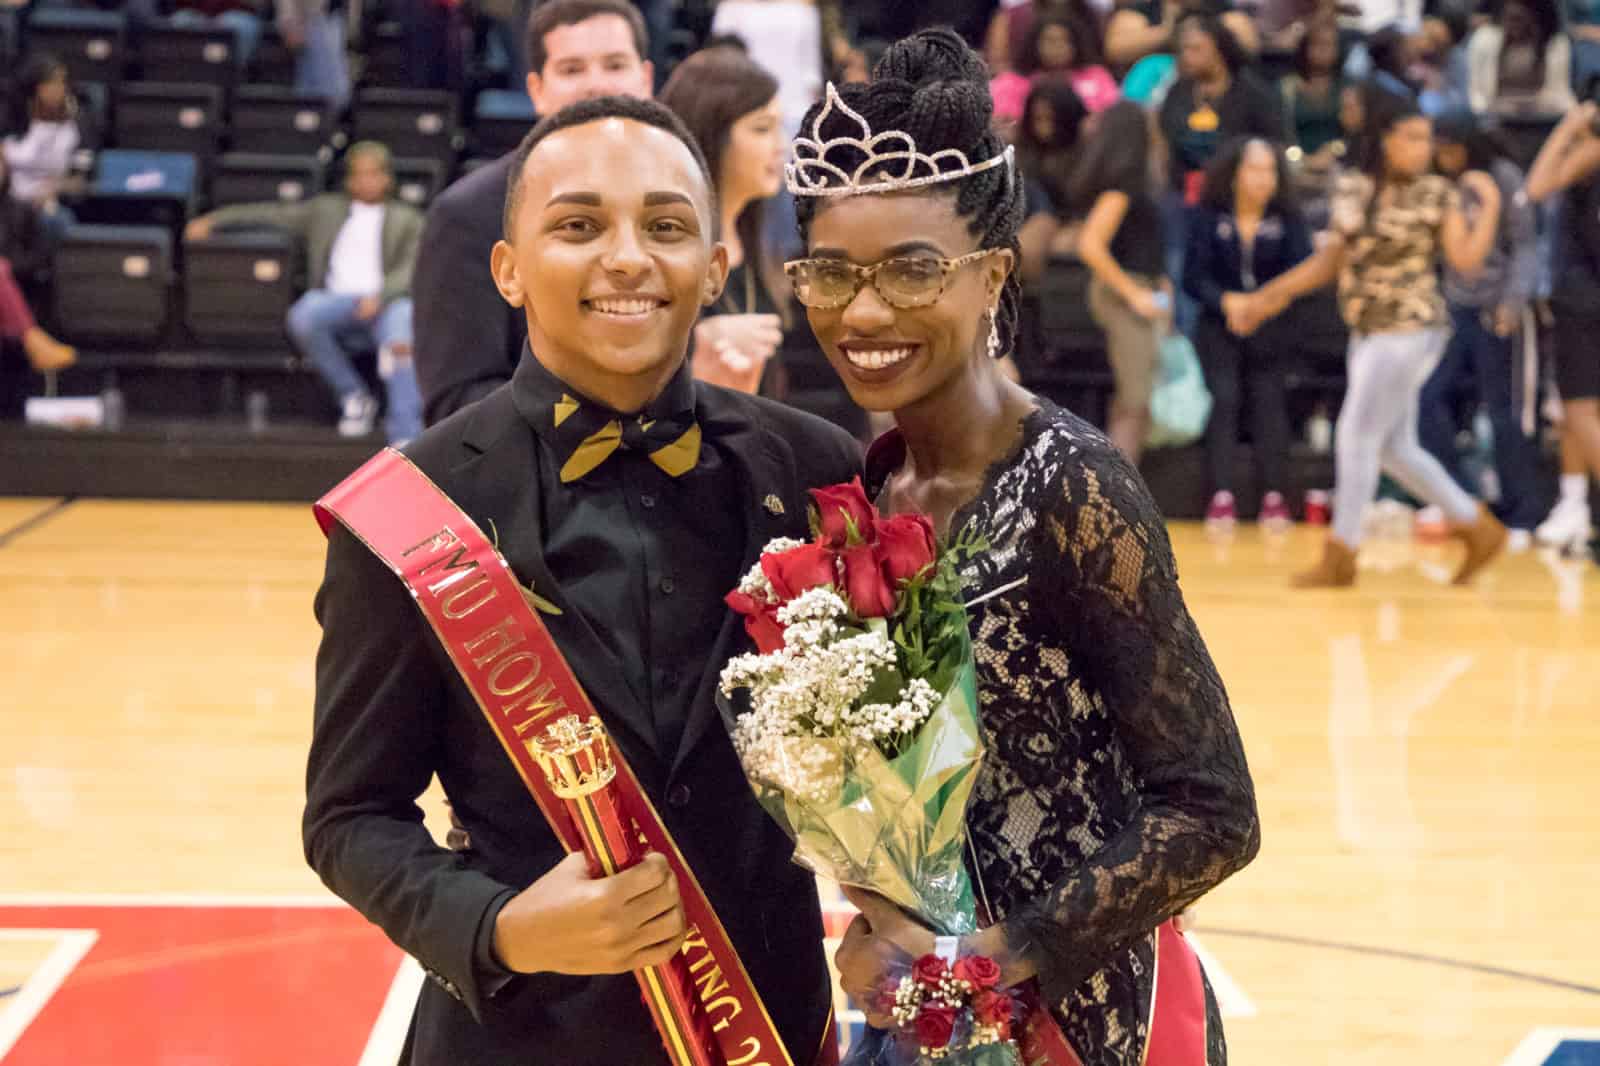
(1175, 234)
(321, 67)
(1479, 362)
(245, 26)
(320, 323)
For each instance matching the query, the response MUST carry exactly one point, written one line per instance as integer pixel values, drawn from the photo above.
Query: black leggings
(1234, 366)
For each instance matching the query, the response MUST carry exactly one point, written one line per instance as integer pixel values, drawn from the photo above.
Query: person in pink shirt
(1058, 47)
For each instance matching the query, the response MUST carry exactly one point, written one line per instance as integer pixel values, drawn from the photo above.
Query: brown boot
(1484, 539)
(46, 353)
(1335, 570)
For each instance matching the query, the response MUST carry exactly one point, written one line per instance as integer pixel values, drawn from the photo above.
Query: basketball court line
(1541, 1044)
(1232, 1001)
(71, 946)
(35, 520)
(394, 1020)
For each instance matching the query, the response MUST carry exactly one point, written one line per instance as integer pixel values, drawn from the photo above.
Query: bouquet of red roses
(856, 722)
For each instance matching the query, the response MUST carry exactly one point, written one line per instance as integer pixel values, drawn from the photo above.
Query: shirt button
(647, 501)
(668, 586)
(670, 679)
(679, 796)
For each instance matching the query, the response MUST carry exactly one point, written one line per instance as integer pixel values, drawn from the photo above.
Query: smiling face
(588, 59)
(610, 255)
(752, 166)
(889, 358)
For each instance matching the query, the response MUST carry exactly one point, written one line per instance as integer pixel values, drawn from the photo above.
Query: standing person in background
(315, 34)
(1047, 139)
(730, 104)
(1246, 232)
(1216, 98)
(1522, 61)
(1570, 160)
(1392, 224)
(1121, 244)
(1311, 96)
(1487, 312)
(468, 340)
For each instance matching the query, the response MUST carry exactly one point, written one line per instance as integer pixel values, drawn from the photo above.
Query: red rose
(992, 1008)
(868, 592)
(835, 504)
(935, 1026)
(979, 971)
(800, 570)
(929, 970)
(905, 546)
(760, 620)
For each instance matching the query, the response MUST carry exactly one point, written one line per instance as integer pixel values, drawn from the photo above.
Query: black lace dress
(1116, 793)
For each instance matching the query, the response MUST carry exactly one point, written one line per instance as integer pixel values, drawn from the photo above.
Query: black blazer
(1214, 260)
(467, 339)
(391, 712)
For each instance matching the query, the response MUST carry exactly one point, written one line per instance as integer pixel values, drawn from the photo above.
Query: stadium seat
(500, 119)
(140, 188)
(93, 44)
(168, 117)
(273, 63)
(385, 52)
(112, 283)
(278, 120)
(418, 181)
(251, 177)
(413, 123)
(238, 287)
(169, 53)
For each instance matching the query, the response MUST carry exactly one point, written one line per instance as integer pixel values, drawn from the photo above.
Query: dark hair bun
(945, 89)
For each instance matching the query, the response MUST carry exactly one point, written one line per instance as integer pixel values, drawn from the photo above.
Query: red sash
(521, 682)
(1177, 1035)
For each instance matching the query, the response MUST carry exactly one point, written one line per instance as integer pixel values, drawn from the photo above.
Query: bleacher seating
(166, 117)
(418, 181)
(112, 283)
(238, 287)
(170, 53)
(414, 123)
(92, 43)
(277, 120)
(135, 187)
(500, 119)
(250, 177)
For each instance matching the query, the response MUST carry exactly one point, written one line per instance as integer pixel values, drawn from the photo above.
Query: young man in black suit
(467, 341)
(608, 252)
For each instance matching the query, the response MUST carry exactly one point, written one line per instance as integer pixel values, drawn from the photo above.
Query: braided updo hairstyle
(934, 88)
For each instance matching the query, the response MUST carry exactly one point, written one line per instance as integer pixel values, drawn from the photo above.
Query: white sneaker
(1567, 524)
(359, 415)
(1518, 541)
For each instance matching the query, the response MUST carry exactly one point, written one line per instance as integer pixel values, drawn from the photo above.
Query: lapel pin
(773, 505)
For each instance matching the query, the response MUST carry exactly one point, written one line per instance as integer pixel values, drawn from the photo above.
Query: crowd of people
(1235, 177)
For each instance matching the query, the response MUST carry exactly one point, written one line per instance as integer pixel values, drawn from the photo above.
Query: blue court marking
(1575, 1053)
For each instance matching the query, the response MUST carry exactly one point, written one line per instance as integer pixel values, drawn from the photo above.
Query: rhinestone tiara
(810, 174)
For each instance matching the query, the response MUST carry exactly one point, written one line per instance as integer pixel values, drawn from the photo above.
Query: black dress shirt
(642, 555)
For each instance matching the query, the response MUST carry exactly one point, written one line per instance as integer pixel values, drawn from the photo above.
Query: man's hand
(568, 922)
(200, 229)
(368, 308)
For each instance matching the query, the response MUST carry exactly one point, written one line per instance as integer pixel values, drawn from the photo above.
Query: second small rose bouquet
(856, 720)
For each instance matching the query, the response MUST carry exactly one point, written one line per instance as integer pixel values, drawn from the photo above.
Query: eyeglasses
(904, 282)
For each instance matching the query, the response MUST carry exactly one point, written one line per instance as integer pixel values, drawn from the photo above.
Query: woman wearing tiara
(1116, 792)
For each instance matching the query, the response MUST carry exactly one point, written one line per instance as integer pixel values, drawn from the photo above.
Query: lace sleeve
(1109, 586)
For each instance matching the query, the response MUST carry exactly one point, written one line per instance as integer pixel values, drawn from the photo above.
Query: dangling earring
(994, 336)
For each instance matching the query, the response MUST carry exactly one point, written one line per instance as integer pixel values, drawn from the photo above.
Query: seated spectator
(1489, 327)
(1245, 233)
(1522, 61)
(39, 159)
(1121, 244)
(242, 17)
(1011, 25)
(20, 248)
(1047, 138)
(1059, 48)
(361, 249)
(1311, 95)
(316, 37)
(1140, 28)
(1390, 61)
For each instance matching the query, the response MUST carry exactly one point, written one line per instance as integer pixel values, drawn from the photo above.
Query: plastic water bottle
(113, 409)
(256, 410)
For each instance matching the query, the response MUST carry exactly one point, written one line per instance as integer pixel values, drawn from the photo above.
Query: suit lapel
(501, 482)
(774, 506)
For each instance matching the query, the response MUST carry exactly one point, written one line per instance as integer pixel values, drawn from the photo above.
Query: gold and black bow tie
(588, 436)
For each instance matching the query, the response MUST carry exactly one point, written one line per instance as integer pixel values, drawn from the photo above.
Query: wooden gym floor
(1428, 891)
